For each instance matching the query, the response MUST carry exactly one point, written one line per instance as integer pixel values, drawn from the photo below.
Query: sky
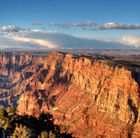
(69, 24)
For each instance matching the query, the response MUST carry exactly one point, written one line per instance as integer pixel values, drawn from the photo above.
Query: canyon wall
(86, 95)
(15, 70)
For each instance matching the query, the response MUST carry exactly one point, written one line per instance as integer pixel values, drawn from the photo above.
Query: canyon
(90, 96)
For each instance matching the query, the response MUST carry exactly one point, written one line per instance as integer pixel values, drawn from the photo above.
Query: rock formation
(86, 95)
(90, 96)
(15, 70)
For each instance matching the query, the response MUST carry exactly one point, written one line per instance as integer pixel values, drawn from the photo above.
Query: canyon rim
(88, 95)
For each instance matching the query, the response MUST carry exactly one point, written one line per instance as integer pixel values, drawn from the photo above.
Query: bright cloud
(43, 31)
(20, 38)
(131, 40)
(48, 39)
(34, 41)
(10, 29)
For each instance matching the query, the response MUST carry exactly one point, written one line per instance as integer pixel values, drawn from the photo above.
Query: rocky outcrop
(87, 95)
(15, 70)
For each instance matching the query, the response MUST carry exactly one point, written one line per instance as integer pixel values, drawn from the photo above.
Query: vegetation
(25, 126)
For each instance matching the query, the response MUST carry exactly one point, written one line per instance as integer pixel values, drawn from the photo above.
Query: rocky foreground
(89, 96)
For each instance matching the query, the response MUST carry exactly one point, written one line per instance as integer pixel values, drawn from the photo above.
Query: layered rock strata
(86, 95)
(15, 71)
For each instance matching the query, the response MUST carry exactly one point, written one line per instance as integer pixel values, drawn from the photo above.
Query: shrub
(22, 132)
(11, 110)
(44, 134)
(3, 113)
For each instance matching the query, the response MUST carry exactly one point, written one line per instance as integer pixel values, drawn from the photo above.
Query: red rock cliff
(15, 70)
(85, 95)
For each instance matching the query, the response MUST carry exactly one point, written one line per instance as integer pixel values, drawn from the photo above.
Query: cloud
(38, 23)
(48, 39)
(86, 23)
(55, 24)
(25, 39)
(119, 26)
(79, 24)
(10, 29)
(76, 24)
(67, 24)
(89, 23)
(131, 40)
(106, 26)
(34, 41)
(11, 43)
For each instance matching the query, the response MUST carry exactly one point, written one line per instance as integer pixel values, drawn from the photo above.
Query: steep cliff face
(85, 95)
(13, 64)
(15, 70)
